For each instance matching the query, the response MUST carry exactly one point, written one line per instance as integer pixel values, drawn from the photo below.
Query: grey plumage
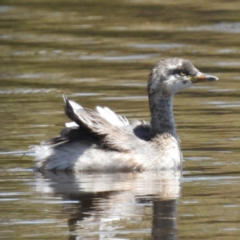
(103, 141)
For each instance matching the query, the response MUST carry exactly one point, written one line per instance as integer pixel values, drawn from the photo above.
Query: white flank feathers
(112, 117)
(104, 112)
(71, 124)
(75, 105)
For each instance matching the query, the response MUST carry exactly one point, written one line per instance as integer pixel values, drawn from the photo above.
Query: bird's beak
(202, 77)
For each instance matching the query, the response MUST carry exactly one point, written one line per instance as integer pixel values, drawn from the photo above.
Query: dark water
(100, 53)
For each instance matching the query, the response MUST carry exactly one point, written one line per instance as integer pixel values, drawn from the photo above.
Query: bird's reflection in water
(108, 205)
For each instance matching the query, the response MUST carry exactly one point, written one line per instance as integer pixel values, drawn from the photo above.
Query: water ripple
(26, 90)
(233, 27)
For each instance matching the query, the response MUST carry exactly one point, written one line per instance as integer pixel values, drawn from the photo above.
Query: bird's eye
(183, 73)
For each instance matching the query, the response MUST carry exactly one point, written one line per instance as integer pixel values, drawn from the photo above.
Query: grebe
(101, 140)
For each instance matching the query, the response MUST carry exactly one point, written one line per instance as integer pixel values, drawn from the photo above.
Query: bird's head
(172, 75)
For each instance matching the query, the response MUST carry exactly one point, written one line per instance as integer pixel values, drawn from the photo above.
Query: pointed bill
(202, 77)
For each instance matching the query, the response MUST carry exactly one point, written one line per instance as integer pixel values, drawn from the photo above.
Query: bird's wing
(104, 126)
(104, 112)
(112, 117)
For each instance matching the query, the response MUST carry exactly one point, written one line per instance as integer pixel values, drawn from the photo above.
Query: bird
(104, 141)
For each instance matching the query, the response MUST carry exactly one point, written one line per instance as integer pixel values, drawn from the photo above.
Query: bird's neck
(162, 120)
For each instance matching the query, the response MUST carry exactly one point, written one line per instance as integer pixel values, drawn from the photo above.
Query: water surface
(100, 53)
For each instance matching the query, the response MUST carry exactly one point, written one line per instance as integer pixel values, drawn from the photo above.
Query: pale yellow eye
(182, 73)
